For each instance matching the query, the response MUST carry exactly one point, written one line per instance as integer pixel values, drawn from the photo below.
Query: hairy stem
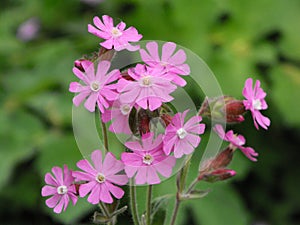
(192, 185)
(133, 203)
(105, 137)
(181, 180)
(105, 211)
(175, 211)
(148, 205)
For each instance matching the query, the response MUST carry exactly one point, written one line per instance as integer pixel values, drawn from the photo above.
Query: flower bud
(217, 175)
(166, 118)
(222, 159)
(126, 76)
(143, 122)
(223, 108)
(215, 169)
(106, 54)
(78, 64)
(219, 161)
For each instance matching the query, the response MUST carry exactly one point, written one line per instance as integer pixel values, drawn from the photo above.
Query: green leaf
(56, 107)
(221, 206)
(196, 194)
(285, 93)
(20, 133)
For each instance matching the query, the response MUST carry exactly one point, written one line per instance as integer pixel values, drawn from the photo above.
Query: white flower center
(100, 178)
(148, 159)
(164, 63)
(62, 190)
(115, 32)
(146, 81)
(181, 133)
(95, 86)
(125, 109)
(257, 104)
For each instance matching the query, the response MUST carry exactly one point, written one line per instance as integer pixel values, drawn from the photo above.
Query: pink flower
(116, 36)
(119, 113)
(182, 138)
(237, 141)
(148, 90)
(147, 159)
(101, 178)
(170, 62)
(255, 101)
(61, 188)
(29, 29)
(96, 88)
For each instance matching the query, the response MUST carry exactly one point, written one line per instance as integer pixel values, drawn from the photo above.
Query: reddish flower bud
(217, 175)
(106, 54)
(126, 76)
(166, 118)
(234, 111)
(143, 121)
(222, 159)
(215, 169)
(223, 108)
(78, 64)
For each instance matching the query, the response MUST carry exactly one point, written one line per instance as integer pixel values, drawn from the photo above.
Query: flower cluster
(134, 101)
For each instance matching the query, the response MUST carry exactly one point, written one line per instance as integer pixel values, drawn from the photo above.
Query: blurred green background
(237, 39)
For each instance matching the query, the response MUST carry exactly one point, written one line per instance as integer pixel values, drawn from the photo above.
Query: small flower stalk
(137, 101)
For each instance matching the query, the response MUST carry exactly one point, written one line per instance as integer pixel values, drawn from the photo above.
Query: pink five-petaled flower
(148, 90)
(62, 188)
(119, 113)
(255, 101)
(236, 141)
(96, 87)
(147, 159)
(100, 178)
(182, 138)
(116, 36)
(172, 64)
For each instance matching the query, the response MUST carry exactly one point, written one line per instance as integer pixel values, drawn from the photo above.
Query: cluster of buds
(230, 110)
(135, 101)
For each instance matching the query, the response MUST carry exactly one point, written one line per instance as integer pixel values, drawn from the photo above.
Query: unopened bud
(217, 175)
(166, 118)
(143, 122)
(222, 159)
(223, 108)
(79, 64)
(126, 76)
(106, 54)
(234, 111)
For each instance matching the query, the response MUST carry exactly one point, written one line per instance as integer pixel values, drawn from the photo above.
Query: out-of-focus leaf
(20, 133)
(57, 149)
(54, 106)
(286, 91)
(221, 206)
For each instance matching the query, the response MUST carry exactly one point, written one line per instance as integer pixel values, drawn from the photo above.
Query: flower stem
(133, 203)
(105, 211)
(104, 133)
(105, 137)
(148, 205)
(181, 180)
(174, 215)
(192, 185)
